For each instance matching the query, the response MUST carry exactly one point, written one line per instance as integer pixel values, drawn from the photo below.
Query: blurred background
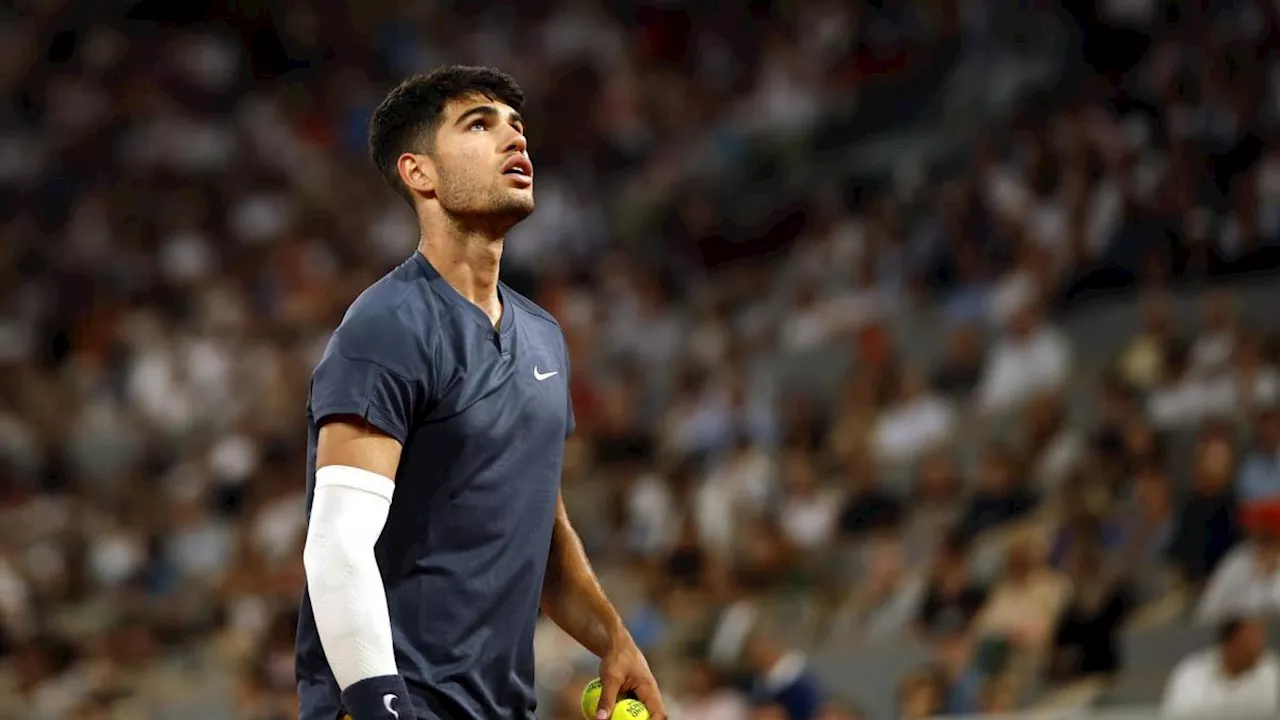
(925, 351)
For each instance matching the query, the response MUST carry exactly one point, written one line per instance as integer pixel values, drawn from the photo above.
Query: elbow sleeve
(348, 512)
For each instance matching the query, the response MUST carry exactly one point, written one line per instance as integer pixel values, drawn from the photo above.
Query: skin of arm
(572, 596)
(352, 442)
(573, 599)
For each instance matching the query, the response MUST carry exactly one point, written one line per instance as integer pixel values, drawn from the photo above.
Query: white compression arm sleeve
(347, 597)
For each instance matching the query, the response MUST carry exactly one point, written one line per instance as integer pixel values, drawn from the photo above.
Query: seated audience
(1001, 495)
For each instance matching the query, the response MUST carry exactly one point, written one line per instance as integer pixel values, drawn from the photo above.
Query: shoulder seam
(432, 339)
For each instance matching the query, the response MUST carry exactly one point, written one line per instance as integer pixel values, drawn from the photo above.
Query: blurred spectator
(961, 368)
(1085, 640)
(1208, 525)
(1184, 398)
(1117, 419)
(1215, 344)
(1259, 477)
(920, 696)
(1255, 382)
(710, 699)
(739, 487)
(855, 417)
(1025, 604)
(1084, 508)
(933, 506)
(1236, 678)
(960, 672)
(916, 422)
(781, 678)
(1001, 495)
(867, 508)
(808, 512)
(1030, 357)
(653, 516)
(1247, 581)
(999, 696)
(884, 601)
(1147, 531)
(949, 593)
(1142, 362)
(1054, 446)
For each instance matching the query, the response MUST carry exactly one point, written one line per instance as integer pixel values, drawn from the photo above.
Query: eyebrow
(486, 111)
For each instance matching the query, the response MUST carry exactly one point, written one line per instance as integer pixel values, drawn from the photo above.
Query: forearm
(572, 596)
(347, 597)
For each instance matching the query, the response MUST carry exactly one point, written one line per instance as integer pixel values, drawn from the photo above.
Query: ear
(418, 173)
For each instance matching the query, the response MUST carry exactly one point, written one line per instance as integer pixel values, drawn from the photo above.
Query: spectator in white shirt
(1238, 678)
(1185, 399)
(1212, 349)
(807, 514)
(1032, 357)
(1248, 579)
(918, 422)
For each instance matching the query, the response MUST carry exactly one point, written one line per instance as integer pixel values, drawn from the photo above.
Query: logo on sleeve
(540, 376)
(386, 702)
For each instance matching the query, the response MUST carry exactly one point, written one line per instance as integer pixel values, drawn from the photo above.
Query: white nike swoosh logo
(386, 702)
(543, 376)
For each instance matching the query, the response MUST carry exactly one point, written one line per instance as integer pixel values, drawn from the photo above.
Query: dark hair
(1228, 628)
(409, 116)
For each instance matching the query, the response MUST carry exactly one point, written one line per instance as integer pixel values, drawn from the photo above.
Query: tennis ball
(591, 699)
(628, 709)
(625, 709)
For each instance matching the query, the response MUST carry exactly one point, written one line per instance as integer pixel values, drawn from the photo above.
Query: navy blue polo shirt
(482, 414)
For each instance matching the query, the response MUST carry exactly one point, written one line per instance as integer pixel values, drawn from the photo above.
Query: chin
(517, 207)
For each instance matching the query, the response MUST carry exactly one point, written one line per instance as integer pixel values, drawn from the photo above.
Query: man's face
(481, 161)
(1248, 644)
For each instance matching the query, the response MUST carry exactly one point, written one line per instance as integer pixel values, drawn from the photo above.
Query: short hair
(1228, 628)
(408, 118)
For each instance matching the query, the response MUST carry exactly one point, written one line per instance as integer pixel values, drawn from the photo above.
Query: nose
(519, 143)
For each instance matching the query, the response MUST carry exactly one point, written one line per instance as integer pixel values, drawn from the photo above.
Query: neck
(468, 259)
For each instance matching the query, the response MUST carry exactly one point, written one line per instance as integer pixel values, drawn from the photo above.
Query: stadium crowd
(188, 211)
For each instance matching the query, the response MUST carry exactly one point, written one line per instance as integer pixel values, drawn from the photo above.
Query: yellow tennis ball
(591, 699)
(625, 709)
(628, 709)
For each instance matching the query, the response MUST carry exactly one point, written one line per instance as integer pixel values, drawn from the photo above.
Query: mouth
(519, 168)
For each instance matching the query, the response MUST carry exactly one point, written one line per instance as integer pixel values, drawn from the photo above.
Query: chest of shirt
(484, 458)
(489, 382)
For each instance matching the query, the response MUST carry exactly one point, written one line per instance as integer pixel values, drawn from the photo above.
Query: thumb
(609, 686)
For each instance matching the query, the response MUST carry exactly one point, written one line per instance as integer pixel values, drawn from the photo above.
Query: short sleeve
(375, 370)
(342, 386)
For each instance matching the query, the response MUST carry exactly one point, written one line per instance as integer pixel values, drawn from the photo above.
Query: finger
(648, 694)
(610, 683)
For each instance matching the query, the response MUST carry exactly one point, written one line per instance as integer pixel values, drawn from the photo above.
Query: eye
(477, 125)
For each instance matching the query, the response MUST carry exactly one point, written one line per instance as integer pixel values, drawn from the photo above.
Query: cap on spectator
(1262, 518)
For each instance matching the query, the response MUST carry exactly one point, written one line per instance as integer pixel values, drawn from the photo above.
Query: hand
(624, 670)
